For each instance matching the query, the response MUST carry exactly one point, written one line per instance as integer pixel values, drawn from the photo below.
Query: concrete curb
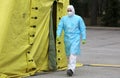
(103, 28)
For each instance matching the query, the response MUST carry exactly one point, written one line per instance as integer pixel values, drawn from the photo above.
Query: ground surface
(103, 47)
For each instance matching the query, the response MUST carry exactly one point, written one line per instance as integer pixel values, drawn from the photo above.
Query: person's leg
(71, 64)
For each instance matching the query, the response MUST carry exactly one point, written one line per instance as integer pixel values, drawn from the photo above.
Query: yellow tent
(27, 37)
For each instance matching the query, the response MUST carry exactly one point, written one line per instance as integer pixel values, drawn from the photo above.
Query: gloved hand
(84, 41)
(57, 38)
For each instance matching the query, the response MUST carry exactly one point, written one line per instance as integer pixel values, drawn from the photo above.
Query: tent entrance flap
(52, 47)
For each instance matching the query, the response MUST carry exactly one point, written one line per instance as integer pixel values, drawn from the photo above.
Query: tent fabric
(25, 32)
(60, 51)
(24, 36)
(52, 49)
(13, 36)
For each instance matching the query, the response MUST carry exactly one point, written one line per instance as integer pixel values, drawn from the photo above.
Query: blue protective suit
(74, 29)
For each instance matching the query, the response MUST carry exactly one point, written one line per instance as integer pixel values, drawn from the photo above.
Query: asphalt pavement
(100, 56)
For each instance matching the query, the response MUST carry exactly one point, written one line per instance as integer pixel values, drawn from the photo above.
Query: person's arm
(60, 28)
(83, 31)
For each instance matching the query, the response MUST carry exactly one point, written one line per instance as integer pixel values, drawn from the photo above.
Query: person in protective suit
(74, 31)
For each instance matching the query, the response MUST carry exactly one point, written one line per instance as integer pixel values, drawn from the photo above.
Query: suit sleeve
(60, 28)
(82, 29)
